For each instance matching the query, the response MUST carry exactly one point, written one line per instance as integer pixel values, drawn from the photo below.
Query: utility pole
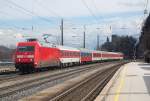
(62, 32)
(98, 38)
(84, 37)
(97, 41)
(32, 28)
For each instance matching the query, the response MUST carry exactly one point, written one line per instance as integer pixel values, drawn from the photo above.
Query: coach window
(84, 54)
(63, 53)
(69, 53)
(74, 53)
(81, 54)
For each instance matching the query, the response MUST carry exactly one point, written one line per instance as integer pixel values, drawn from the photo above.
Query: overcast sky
(18, 16)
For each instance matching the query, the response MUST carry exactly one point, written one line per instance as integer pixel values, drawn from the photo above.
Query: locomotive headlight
(30, 56)
(19, 56)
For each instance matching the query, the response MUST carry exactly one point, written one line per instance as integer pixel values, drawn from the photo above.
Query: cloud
(133, 3)
(112, 13)
(64, 8)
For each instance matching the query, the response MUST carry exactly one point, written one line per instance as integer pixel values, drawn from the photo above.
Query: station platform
(132, 83)
(5, 69)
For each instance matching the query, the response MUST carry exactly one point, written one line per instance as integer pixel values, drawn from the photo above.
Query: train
(32, 55)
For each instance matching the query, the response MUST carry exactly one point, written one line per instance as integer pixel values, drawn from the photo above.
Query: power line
(96, 7)
(46, 8)
(144, 16)
(146, 4)
(3, 23)
(30, 12)
(91, 12)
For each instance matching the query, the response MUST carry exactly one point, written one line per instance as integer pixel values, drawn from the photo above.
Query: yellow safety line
(117, 93)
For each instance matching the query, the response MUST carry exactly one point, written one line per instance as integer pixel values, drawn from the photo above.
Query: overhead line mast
(62, 32)
(84, 36)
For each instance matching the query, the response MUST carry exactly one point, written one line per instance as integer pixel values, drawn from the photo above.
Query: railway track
(6, 77)
(8, 90)
(14, 76)
(88, 89)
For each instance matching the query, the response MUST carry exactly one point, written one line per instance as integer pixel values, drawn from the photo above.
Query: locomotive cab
(25, 56)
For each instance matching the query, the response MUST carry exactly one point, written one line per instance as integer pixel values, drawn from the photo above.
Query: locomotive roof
(27, 43)
(85, 50)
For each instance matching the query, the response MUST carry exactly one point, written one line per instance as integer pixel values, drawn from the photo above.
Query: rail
(88, 89)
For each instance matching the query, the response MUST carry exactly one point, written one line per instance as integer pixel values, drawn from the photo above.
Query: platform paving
(131, 84)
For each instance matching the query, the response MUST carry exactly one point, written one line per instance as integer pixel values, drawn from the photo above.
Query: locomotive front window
(26, 48)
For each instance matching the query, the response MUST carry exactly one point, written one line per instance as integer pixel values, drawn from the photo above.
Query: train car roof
(107, 52)
(58, 46)
(67, 48)
(112, 52)
(96, 51)
(85, 50)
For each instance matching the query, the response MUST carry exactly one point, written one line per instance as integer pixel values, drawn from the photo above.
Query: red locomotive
(33, 55)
